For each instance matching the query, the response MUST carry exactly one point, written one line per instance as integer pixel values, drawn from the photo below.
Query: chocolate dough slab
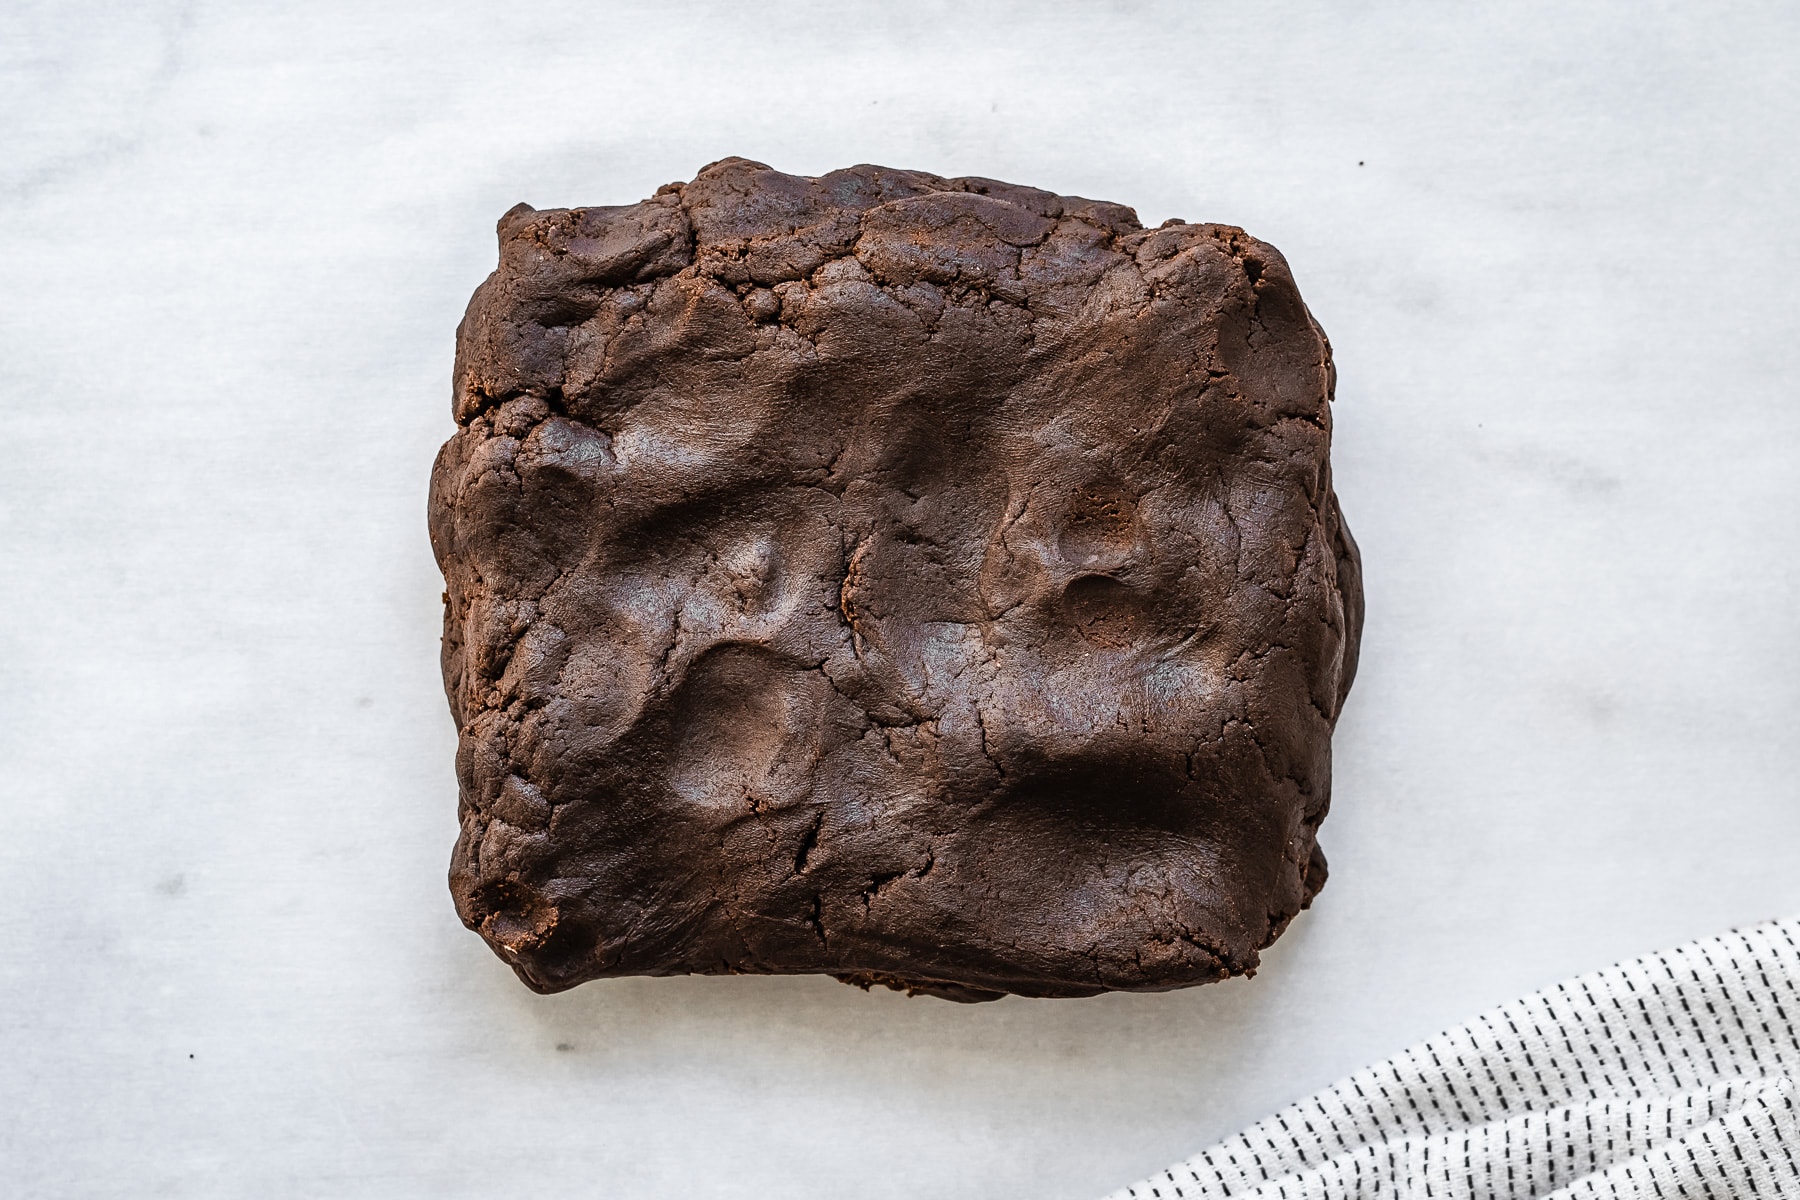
(929, 582)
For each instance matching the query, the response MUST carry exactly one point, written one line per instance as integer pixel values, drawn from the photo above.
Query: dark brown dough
(930, 582)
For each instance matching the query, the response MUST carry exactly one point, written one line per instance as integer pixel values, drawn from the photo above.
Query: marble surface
(1555, 250)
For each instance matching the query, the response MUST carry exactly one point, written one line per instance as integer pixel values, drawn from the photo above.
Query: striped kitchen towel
(1673, 1075)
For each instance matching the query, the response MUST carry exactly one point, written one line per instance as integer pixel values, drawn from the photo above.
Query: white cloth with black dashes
(1673, 1075)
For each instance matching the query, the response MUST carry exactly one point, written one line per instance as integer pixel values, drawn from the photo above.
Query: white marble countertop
(1556, 250)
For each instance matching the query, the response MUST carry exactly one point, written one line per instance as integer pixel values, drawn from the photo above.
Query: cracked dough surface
(929, 582)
